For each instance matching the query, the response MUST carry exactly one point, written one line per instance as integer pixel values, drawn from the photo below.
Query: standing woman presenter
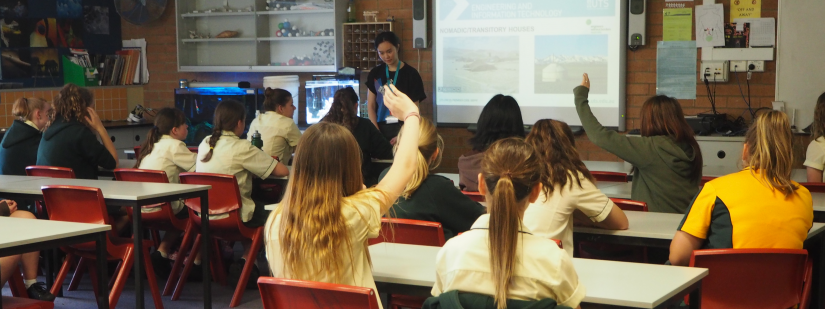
(400, 74)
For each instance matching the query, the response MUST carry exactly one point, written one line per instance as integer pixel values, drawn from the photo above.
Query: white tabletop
(615, 189)
(126, 163)
(608, 166)
(607, 282)
(17, 231)
(17, 178)
(451, 176)
(119, 190)
(271, 207)
(819, 201)
(798, 174)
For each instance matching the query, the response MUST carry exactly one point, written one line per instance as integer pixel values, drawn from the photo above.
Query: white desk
(131, 194)
(271, 207)
(608, 166)
(615, 189)
(610, 283)
(29, 235)
(14, 178)
(798, 174)
(451, 176)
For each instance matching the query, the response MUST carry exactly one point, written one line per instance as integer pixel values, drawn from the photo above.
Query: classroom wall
(111, 102)
(641, 75)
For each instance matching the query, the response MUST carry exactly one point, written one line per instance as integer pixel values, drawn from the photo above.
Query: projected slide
(533, 50)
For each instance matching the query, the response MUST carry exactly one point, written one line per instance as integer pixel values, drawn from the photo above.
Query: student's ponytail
(770, 151)
(23, 108)
(227, 115)
(166, 119)
(511, 170)
(428, 143)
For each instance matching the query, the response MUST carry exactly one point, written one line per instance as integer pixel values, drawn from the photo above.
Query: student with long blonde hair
(758, 207)
(568, 188)
(19, 146)
(435, 198)
(319, 231)
(815, 156)
(499, 256)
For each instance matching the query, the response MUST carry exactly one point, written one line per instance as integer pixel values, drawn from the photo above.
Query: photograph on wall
(490, 65)
(43, 32)
(16, 63)
(45, 62)
(96, 19)
(69, 8)
(14, 8)
(561, 60)
(13, 33)
(70, 33)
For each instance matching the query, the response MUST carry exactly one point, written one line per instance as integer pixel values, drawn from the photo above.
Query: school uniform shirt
(542, 270)
(552, 216)
(438, 200)
(69, 143)
(235, 156)
(19, 148)
(815, 157)
(279, 134)
(406, 79)
(362, 215)
(739, 211)
(469, 166)
(171, 156)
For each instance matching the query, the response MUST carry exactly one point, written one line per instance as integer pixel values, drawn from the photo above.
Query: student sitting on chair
(19, 146)
(29, 261)
(279, 133)
(815, 156)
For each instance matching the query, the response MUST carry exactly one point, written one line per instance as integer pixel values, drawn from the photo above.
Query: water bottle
(350, 13)
(256, 140)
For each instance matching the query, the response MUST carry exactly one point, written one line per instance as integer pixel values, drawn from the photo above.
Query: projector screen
(533, 50)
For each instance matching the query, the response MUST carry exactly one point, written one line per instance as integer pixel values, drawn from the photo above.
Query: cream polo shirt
(552, 216)
(815, 156)
(279, 134)
(542, 270)
(235, 156)
(171, 156)
(362, 214)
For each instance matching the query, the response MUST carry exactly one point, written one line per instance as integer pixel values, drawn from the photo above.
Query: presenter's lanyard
(394, 79)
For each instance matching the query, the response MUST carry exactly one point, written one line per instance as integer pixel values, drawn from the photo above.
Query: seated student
(568, 189)
(319, 231)
(224, 152)
(758, 207)
(279, 133)
(30, 262)
(372, 143)
(500, 118)
(19, 147)
(666, 159)
(499, 256)
(434, 198)
(164, 150)
(815, 157)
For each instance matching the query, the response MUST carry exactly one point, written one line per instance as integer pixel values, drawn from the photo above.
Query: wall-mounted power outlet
(714, 71)
(756, 66)
(738, 66)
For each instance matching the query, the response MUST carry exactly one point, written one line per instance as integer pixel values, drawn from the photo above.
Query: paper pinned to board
(677, 24)
(142, 78)
(745, 9)
(762, 31)
(710, 27)
(676, 69)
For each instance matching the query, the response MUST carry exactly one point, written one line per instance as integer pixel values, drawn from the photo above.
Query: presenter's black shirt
(408, 81)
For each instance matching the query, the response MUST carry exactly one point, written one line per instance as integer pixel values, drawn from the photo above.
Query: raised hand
(399, 103)
(586, 81)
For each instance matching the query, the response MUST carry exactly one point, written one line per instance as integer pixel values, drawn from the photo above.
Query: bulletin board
(36, 33)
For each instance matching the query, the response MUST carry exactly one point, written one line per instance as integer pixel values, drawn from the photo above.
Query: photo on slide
(482, 64)
(16, 63)
(562, 59)
(45, 62)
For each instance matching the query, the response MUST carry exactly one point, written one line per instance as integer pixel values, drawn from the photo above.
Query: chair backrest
(754, 278)
(50, 171)
(625, 204)
(475, 196)
(279, 293)
(609, 176)
(76, 204)
(411, 232)
(224, 197)
(814, 187)
(705, 179)
(139, 175)
(558, 242)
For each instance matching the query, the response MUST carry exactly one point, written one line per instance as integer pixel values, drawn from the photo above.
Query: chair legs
(82, 266)
(16, 285)
(61, 275)
(188, 267)
(176, 266)
(257, 242)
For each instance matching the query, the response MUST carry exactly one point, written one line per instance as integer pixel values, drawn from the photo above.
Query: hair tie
(211, 147)
(508, 174)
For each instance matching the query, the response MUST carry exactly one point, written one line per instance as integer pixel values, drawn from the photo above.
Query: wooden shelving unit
(358, 38)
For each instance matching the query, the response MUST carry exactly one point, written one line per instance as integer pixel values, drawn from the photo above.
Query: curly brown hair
(71, 103)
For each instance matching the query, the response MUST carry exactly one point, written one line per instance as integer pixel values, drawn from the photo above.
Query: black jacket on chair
(19, 148)
(455, 300)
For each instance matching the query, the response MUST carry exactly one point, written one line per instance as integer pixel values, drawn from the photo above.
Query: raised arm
(403, 165)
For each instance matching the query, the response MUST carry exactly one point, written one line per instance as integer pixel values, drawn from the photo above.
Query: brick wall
(110, 102)
(641, 75)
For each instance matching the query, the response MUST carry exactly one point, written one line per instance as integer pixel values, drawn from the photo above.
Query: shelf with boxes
(358, 39)
(259, 35)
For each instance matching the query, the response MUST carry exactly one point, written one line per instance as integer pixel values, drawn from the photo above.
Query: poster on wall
(14, 8)
(16, 63)
(96, 19)
(69, 9)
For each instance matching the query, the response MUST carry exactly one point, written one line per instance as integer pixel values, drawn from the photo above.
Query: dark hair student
(227, 115)
(273, 98)
(343, 109)
(166, 119)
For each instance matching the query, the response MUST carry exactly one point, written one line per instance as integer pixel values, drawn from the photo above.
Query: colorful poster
(678, 24)
(745, 9)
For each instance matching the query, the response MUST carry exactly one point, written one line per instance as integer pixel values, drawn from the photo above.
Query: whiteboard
(800, 54)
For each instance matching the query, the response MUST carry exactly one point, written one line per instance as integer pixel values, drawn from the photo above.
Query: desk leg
(137, 234)
(207, 279)
(102, 272)
(696, 297)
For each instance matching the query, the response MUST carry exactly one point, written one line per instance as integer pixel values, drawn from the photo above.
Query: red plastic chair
(611, 252)
(162, 220)
(224, 198)
(86, 205)
(609, 176)
(754, 278)
(558, 242)
(25, 303)
(48, 171)
(278, 293)
(814, 187)
(705, 179)
(475, 196)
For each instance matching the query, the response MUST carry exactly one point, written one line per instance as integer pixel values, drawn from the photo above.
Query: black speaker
(419, 23)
